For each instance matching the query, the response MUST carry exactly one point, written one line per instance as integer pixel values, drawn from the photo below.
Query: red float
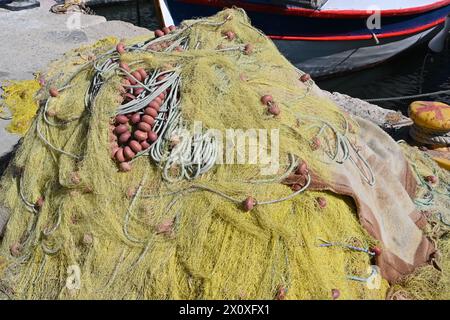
(249, 204)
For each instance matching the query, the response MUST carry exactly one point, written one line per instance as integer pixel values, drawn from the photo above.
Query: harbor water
(413, 72)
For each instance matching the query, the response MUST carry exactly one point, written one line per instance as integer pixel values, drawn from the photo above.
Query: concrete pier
(30, 39)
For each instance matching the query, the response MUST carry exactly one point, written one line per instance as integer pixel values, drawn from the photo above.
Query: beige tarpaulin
(386, 209)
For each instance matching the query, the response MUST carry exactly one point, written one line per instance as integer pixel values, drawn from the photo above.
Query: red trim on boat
(363, 36)
(337, 14)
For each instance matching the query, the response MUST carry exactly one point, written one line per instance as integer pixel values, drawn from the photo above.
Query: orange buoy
(114, 151)
(266, 99)
(148, 119)
(137, 76)
(230, 35)
(281, 293)
(322, 202)
(125, 166)
(145, 145)
(140, 135)
(50, 113)
(15, 249)
(119, 155)
(248, 49)
(315, 144)
(121, 119)
(152, 136)
(249, 204)
(121, 128)
(376, 251)
(305, 77)
(143, 73)
(53, 92)
(302, 169)
(120, 48)
(335, 294)
(144, 126)
(138, 91)
(39, 203)
(154, 105)
(88, 239)
(431, 179)
(162, 95)
(135, 146)
(128, 153)
(135, 118)
(159, 33)
(124, 137)
(75, 178)
(124, 66)
(274, 109)
(151, 112)
(128, 96)
(161, 78)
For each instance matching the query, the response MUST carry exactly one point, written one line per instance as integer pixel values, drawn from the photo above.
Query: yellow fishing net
(19, 98)
(79, 228)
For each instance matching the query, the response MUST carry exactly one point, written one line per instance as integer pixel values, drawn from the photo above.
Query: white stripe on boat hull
(323, 58)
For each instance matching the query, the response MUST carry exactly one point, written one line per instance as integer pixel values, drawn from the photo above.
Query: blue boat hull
(326, 46)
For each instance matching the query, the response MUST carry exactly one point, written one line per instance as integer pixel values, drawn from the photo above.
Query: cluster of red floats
(132, 133)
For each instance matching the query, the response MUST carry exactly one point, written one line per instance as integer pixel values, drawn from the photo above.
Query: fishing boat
(329, 37)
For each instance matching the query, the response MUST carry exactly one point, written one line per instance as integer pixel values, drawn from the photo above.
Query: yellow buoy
(431, 115)
(442, 162)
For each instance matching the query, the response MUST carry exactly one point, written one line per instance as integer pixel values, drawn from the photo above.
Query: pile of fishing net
(120, 189)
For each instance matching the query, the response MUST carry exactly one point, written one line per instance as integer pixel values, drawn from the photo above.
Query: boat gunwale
(321, 14)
